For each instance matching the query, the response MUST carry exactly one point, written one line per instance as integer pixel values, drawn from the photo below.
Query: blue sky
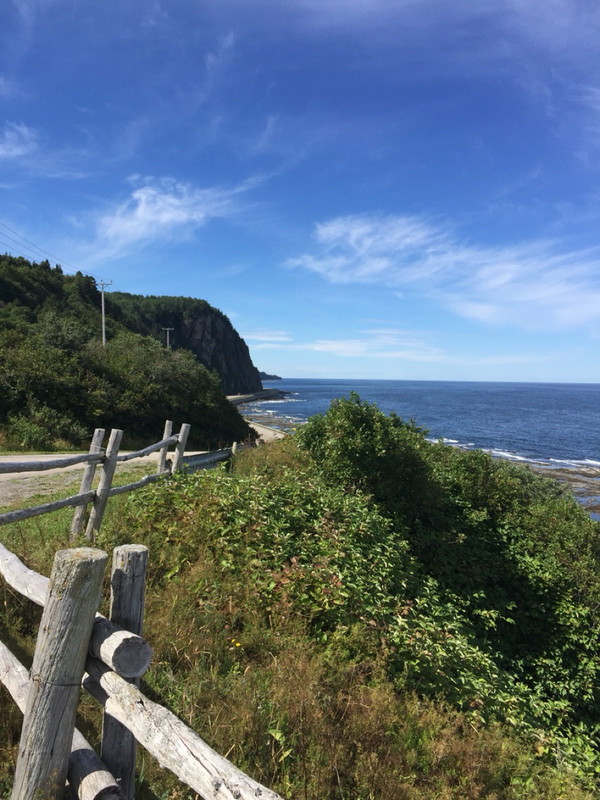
(367, 188)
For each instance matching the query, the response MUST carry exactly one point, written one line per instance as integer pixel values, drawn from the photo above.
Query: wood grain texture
(86, 482)
(170, 741)
(126, 653)
(74, 593)
(128, 589)
(88, 777)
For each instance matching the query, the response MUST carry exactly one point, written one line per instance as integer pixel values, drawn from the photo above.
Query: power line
(35, 246)
(21, 248)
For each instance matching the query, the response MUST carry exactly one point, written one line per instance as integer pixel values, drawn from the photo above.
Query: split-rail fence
(108, 458)
(77, 647)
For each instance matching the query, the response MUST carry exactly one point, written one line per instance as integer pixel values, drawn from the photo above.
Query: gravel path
(15, 487)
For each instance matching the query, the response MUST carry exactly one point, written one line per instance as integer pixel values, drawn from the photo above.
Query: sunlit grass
(268, 656)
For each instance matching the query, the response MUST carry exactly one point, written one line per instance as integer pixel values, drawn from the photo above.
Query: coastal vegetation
(354, 612)
(58, 382)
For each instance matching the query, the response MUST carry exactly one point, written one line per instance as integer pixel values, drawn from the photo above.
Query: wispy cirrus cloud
(17, 140)
(383, 343)
(7, 87)
(534, 284)
(392, 346)
(162, 209)
(388, 344)
(267, 337)
(24, 147)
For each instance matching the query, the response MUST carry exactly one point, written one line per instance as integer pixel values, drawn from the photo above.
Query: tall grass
(270, 599)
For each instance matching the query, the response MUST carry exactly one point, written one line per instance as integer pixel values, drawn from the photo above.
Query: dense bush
(506, 621)
(338, 643)
(57, 384)
(308, 618)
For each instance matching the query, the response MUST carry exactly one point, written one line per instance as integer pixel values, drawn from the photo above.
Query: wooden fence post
(58, 663)
(108, 471)
(162, 456)
(180, 447)
(88, 776)
(86, 483)
(128, 584)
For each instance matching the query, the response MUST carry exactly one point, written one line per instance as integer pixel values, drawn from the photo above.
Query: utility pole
(102, 285)
(168, 340)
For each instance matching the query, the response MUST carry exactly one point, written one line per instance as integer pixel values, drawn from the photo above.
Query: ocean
(553, 423)
(554, 426)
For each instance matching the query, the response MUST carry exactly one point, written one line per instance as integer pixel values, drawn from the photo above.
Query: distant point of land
(266, 377)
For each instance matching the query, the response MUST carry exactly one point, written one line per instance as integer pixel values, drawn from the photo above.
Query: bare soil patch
(15, 488)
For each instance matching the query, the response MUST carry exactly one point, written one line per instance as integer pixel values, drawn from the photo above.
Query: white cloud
(17, 140)
(387, 344)
(163, 209)
(534, 284)
(267, 336)
(216, 59)
(7, 88)
(390, 250)
(395, 351)
(380, 343)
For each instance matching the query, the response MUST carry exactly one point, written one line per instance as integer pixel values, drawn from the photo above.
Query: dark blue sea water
(552, 424)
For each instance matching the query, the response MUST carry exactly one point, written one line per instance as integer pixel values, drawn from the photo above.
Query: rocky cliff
(216, 343)
(195, 325)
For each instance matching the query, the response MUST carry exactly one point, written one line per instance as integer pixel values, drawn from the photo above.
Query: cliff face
(195, 325)
(216, 344)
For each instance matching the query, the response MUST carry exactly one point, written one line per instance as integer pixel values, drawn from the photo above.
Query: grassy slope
(268, 605)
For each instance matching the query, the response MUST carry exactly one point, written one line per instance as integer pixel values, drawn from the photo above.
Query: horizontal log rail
(170, 741)
(87, 775)
(57, 463)
(152, 448)
(206, 460)
(45, 508)
(108, 457)
(123, 651)
(116, 658)
(175, 746)
(130, 487)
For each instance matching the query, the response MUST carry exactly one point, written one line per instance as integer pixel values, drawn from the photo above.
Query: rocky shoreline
(264, 394)
(584, 482)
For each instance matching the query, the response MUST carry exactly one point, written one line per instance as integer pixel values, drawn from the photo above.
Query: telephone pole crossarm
(168, 339)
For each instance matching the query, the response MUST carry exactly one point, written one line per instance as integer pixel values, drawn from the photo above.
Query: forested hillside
(57, 381)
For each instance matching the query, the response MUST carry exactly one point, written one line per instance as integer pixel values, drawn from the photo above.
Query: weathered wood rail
(108, 459)
(78, 647)
(51, 750)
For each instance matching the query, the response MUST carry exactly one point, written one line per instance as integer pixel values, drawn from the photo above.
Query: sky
(394, 189)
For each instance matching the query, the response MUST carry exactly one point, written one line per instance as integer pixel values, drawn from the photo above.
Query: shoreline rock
(265, 394)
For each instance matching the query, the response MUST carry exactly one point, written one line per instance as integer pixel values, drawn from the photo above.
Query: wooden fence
(77, 647)
(74, 649)
(108, 458)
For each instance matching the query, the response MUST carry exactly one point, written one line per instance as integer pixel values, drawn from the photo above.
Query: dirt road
(15, 487)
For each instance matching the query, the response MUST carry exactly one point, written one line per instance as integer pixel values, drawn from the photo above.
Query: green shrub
(335, 646)
(41, 428)
(358, 447)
